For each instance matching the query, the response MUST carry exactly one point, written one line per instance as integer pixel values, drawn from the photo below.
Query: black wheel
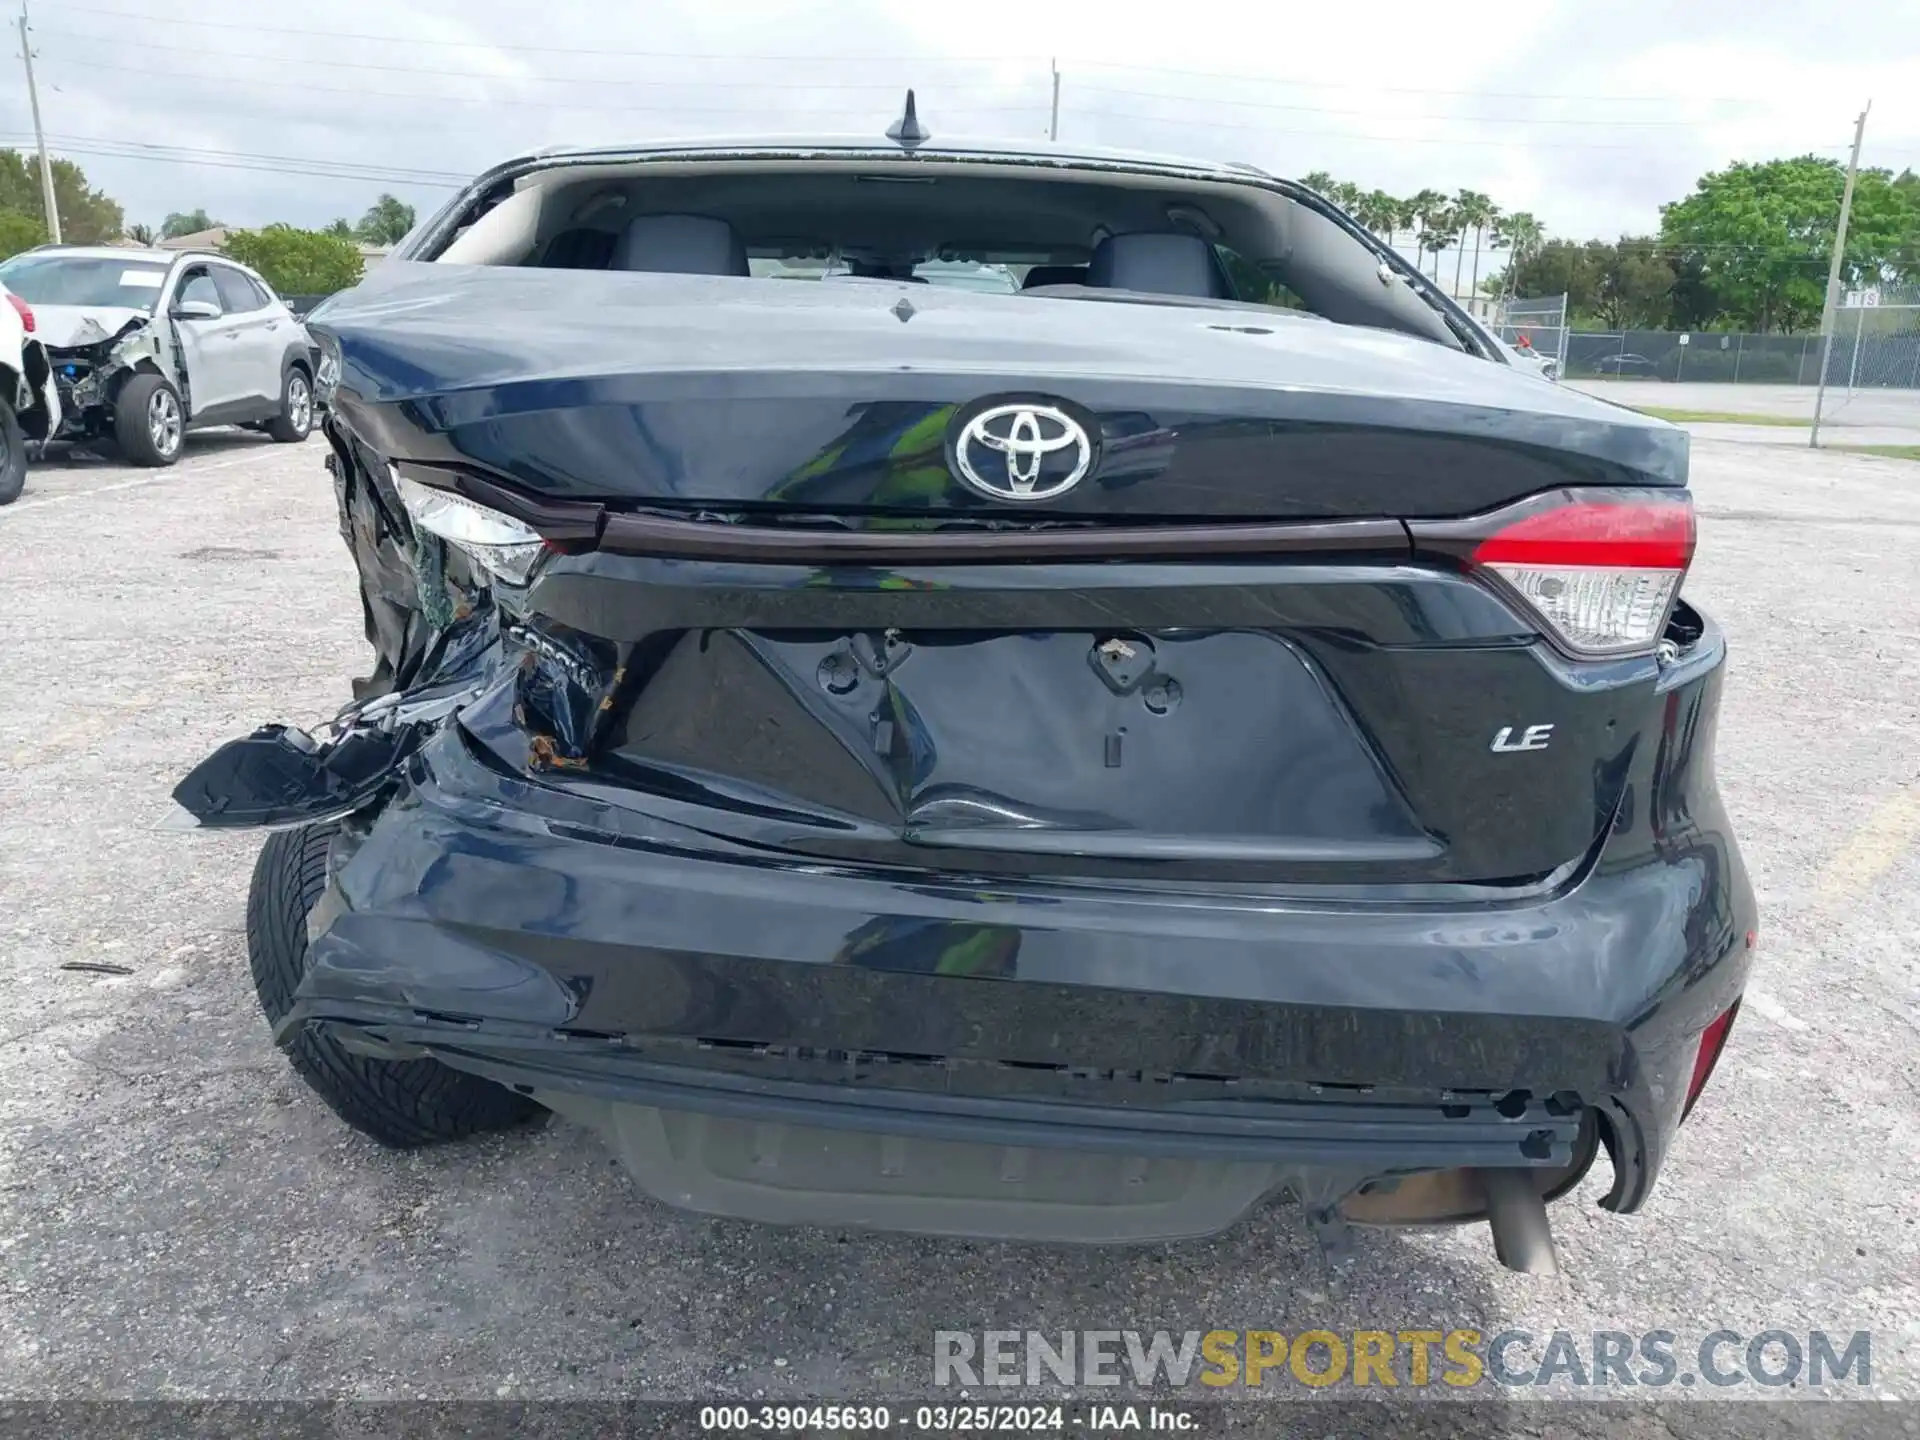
(295, 419)
(149, 421)
(13, 455)
(398, 1102)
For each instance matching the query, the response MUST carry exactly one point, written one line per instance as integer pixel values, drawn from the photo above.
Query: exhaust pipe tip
(1517, 1215)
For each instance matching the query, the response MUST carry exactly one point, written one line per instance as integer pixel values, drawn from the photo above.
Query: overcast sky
(1590, 116)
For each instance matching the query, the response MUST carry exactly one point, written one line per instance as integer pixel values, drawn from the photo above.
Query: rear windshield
(79, 280)
(996, 227)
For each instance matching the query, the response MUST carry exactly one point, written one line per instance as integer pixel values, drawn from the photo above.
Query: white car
(29, 398)
(148, 344)
(1528, 358)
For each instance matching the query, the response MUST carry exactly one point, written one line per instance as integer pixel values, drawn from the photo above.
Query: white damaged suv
(29, 399)
(148, 344)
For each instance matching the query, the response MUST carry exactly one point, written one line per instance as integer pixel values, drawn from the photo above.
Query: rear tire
(13, 455)
(149, 421)
(295, 419)
(402, 1103)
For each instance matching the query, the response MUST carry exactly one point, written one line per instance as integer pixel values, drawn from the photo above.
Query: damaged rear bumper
(849, 1045)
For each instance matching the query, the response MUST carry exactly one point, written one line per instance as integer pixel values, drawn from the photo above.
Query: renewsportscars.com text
(1380, 1359)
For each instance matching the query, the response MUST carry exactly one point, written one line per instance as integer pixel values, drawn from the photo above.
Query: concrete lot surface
(179, 1216)
(1866, 417)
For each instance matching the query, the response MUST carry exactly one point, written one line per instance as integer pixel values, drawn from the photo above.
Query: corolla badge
(1023, 451)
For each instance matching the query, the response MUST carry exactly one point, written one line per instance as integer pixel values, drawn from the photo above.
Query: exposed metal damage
(92, 363)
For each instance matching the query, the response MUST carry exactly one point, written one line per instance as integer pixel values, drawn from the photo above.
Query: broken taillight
(24, 310)
(499, 543)
(1601, 572)
(1713, 1040)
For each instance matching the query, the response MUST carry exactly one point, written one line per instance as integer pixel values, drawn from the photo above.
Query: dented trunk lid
(1319, 709)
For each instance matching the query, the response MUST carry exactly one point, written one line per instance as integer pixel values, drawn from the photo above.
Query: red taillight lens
(1713, 1040)
(24, 310)
(1602, 573)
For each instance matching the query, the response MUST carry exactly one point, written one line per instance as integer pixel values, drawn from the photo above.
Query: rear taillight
(500, 544)
(24, 310)
(1713, 1040)
(1601, 572)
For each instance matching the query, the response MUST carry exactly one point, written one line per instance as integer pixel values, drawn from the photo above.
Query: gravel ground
(179, 1217)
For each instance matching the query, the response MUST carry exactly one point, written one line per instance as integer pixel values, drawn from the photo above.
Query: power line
(205, 77)
(1503, 142)
(305, 62)
(740, 111)
(458, 177)
(171, 21)
(1409, 89)
(322, 169)
(1328, 110)
(252, 27)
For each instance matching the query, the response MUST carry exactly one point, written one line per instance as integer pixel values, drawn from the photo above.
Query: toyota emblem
(1023, 451)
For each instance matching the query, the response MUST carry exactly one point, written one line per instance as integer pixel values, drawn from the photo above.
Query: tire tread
(400, 1103)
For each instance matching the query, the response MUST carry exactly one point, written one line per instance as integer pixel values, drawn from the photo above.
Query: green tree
(1559, 267)
(1422, 211)
(1476, 212)
(1319, 182)
(1379, 212)
(1633, 285)
(1443, 228)
(190, 223)
(297, 262)
(87, 217)
(19, 232)
(140, 234)
(341, 227)
(1760, 236)
(1520, 235)
(386, 222)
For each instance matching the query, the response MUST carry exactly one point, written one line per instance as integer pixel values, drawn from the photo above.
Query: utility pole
(39, 135)
(1833, 274)
(1053, 124)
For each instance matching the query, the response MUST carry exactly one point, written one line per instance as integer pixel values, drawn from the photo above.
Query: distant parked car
(1627, 365)
(29, 400)
(148, 344)
(1525, 357)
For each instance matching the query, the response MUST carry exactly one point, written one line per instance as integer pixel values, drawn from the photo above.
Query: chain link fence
(1539, 324)
(1876, 345)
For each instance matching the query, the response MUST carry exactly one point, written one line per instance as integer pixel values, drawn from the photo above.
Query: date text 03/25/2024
(946, 1419)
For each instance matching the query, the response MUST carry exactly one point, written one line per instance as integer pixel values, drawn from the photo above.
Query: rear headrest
(580, 250)
(1158, 265)
(1054, 275)
(681, 245)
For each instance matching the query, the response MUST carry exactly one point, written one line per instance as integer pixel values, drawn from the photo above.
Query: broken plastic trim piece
(279, 776)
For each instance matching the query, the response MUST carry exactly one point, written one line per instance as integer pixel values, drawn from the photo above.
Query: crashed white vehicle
(29, 400)
(148, 344)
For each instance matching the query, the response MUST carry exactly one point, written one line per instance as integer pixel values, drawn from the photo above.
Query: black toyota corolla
(1070, 764)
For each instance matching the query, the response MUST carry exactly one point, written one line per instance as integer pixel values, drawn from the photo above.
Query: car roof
(1012, 152)
(109, 252)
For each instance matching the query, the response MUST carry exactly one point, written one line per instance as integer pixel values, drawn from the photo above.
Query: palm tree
(1521, 234)
(1379, 212)
(1406, 215)
(1424, 211)
(1347, 195)
(1476, 211)
(1443, 229)
(1318, 181)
